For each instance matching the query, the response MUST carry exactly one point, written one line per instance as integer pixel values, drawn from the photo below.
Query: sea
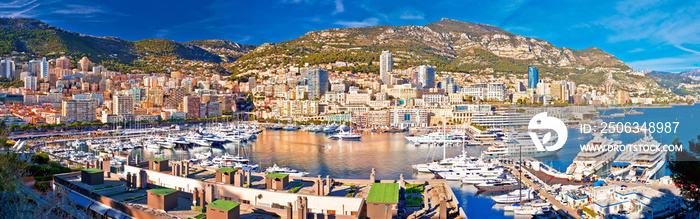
(391, 155)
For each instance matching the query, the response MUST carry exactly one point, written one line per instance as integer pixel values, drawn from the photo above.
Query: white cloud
(339, 8)
(672, 64)
(636, 50)
(412, 15)
(17, 4)
(364, 23)
(79, 9)
(655, 22)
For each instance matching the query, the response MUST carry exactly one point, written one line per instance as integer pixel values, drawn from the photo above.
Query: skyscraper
(425, 76)
(44, 68)
(385, 63)
(532, 77)
(317, 81)
(7, 68)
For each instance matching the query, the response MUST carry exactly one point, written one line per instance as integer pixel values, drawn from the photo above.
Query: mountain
(450, 45)
(655, 72)
(693, 74)
(33, 36)
(228, 50)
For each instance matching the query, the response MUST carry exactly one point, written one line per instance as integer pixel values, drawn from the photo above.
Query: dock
(560, 208)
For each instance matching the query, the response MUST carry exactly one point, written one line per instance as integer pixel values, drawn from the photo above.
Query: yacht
(593, 158)
(433, 138)
(472, 171)
(646, 163)
(514, 197)
(480, 178)
(291, 127)
(285, 170)
(498, 185)
(511, 145)
(445, 162)
(346, 136)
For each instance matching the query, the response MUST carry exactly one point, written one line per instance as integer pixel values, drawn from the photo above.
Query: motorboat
(346, 136)
(498, 185)
(285, 170)
(592, 156)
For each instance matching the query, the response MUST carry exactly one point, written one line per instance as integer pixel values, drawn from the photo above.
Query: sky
(646, 34)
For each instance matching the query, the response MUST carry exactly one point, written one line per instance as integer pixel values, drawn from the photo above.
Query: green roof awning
(223, 205)
(93, 170)
(226, 169)
(158, 159)
(162, 191)
(384, 193)
(276, 175)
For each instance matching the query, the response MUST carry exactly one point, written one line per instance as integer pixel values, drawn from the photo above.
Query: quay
(559, 208)
(160, 188)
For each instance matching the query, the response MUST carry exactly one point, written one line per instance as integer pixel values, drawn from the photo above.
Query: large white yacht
(434, 138)
(646, 163)
(512, 145)
(593, 156)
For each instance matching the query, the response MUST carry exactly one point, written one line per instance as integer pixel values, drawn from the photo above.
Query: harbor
(474, 176)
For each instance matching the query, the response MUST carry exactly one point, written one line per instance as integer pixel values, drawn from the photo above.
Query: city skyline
(646, 35)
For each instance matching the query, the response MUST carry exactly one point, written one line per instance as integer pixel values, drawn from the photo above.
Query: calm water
(391, 155)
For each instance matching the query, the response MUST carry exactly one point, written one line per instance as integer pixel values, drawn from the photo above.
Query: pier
(544, 194)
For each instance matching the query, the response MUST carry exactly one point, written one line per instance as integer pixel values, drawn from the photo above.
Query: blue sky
(661, 35)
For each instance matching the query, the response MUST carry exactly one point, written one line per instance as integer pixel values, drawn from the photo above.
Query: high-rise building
(30, 83)
(7, 68)
(533, 76)
(123, 106)
(79, 110)
(175, 96)
(317, 81)
(385, 63)
(63, 63)
(85, 64)
(213, 109)
(192, 106)
(425, 76)
(44, 68)
(155, 96)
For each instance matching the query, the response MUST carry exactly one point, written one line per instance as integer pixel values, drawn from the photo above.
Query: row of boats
(593, 157)
(335, 131)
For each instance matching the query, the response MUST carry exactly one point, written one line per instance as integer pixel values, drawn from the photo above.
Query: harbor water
(392, 155)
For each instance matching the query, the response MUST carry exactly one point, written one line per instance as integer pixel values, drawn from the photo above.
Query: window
(407, 117)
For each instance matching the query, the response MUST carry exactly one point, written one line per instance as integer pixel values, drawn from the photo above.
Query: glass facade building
(533, 76)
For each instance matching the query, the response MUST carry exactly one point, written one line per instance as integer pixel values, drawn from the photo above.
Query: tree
(685, 168)
(3, 136)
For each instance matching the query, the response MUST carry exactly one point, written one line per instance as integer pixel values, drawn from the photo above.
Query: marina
(473, 172)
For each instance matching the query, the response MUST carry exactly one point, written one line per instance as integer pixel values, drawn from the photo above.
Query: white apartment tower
(385, 63)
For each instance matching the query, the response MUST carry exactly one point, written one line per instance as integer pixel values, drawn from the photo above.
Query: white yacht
(462, 172)
(592, 158)
(285, 170)
(646, 163)
(512, 144)
(515, 196)
(346, 136)
(433, 138)
(481, 178)
(445, 163)
(498, 185)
